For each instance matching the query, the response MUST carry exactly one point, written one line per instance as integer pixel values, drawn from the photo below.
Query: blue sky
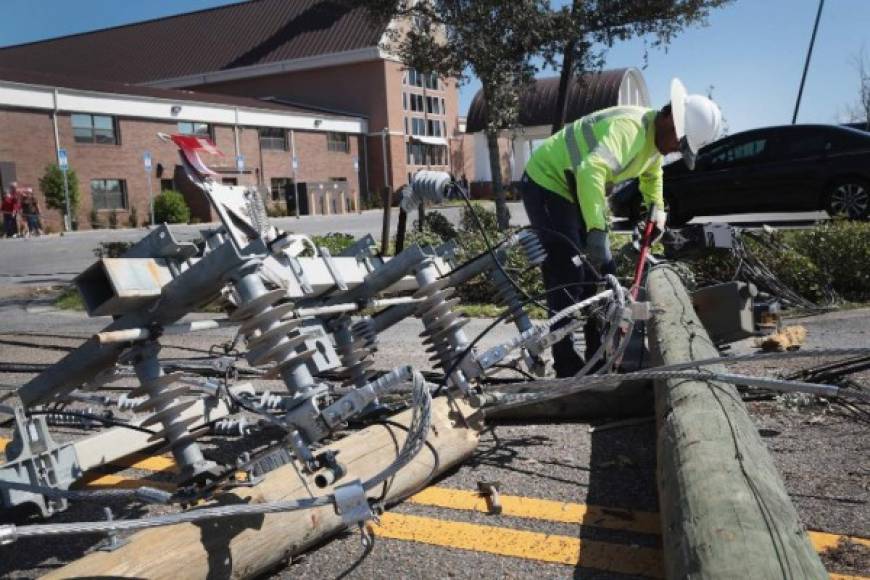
(752, 52)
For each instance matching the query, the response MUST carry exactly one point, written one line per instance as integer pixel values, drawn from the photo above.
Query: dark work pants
(550, 211)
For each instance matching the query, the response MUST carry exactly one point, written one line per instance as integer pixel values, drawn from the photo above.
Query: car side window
(737, 153)
(805, 146)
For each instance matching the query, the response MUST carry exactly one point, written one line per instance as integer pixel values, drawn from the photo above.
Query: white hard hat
(697, 121)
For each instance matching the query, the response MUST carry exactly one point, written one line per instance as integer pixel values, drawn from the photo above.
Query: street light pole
(797, 104)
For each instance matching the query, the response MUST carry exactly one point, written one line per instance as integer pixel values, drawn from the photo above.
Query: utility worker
(564, 189)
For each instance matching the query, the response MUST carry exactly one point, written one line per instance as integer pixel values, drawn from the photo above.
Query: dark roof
(586, 94)
(60, 81)
(237, 35)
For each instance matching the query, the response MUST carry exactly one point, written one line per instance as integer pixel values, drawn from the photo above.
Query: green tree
(493, 40)
(51, 185)
(583, 31)
(170, 208)
(504, 44)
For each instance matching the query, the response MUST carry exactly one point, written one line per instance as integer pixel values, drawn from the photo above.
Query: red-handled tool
(645, 244)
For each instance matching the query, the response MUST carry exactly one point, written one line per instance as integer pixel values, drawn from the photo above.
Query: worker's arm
(612, 153)
(651, 187)
(652, 191)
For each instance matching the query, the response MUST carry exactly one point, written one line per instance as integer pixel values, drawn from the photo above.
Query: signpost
(240, 163)
(146, 161)
(63, 162)
(296, 184)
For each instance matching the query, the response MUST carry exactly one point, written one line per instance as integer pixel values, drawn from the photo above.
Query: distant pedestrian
(9, 209)
(20, 223)
(32, 213)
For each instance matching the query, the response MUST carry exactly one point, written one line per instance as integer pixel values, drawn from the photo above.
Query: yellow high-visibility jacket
(606, 147)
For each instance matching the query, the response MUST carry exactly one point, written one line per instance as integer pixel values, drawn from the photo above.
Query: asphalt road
(56, 259)
(819, 454)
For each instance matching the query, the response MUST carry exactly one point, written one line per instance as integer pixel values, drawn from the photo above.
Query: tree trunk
(565, 77)
(564, 82)
(501, 209)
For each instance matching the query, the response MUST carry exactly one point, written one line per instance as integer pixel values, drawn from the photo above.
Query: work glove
(659, 217)
(598, 252)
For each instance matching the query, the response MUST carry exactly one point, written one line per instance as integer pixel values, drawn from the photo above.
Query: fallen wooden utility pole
(246, 546)
(629, 399)
(724, 509)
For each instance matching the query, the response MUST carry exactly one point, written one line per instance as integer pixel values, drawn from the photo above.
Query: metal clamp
(352, 504)
(333, 271)
(299, 272)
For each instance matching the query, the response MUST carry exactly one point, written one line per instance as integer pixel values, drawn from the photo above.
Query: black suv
(776, 169)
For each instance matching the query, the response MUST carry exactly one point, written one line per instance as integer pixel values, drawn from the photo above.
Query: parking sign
(240, 163)
(62, 159)
(146, 160)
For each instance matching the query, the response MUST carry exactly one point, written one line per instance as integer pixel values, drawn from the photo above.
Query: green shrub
(112, 249)
(276, 210)
(840, 252)
(170, 208)
(51, 185)
(335, 242)
(436, 223)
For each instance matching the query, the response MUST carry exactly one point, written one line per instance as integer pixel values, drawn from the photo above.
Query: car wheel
(849, 197)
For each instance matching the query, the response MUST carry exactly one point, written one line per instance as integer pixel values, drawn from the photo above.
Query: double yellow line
(501, 541)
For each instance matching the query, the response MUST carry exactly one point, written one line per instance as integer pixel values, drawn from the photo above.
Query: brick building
(299, 54)
(107, 127)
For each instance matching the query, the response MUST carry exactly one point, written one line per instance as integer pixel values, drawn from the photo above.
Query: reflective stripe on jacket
(606, 147)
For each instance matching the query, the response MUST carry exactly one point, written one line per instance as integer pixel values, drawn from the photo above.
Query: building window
(430, 81)
(338, 142)
(415, 79)
(229, 181)
(443, 108)
(418, 126)
(416, 103)
(195, 129)
(94, 129)
(432, 105)
(273, 138)
(167, 184)
(406, 125)
(405, 101)
(282, 189)
(433, 128)
(109, 193)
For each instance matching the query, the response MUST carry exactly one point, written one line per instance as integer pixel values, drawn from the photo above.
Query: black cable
(571, 244)
(526, 375)
(489, 246)
(503, 316)
(98, 418)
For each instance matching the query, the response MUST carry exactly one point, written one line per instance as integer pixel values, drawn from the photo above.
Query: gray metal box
(113, 286)
(726, 310)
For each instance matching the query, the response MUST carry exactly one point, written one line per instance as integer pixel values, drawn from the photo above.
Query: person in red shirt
(9, 207)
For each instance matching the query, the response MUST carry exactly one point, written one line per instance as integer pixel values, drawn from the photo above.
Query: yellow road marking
(567, 512)
(543, 509)
(825, 541)
(146, 462)
(119, 482)
(605, 556)
(846, 577)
